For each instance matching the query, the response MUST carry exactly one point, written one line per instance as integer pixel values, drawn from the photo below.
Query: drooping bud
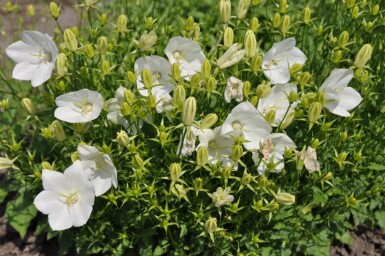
(189, 110)
(243, 7)
(175, 171)
(250, 43)
(58, 130)
(54, 9)
(70, 40)
(102, 45)
(121, 24)
(209, 121)
(363, 56)
(122, 138)
(224, 11)
(202, 156)
(228, 37)
(285, 198)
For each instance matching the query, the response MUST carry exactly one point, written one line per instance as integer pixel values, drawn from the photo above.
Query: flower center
(177, 55)
(271, 64)
(237, 125)
(155, 77)
(70, 200)
(44, 56)
(86, 108)
(213, 145)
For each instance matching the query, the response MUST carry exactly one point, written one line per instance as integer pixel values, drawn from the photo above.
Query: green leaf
(345, 238)
(20, 212)
(380, 216)
(3, 192)
(376, 167)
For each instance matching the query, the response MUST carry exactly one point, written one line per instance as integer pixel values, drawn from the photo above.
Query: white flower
(309, 158)
(34, 56)
(272, 152)
(104, 173)
(219, 146)
(280, 58)
(114, 106)
(339, 98)
(160, 69)
(232, 56)
(187, 146)
(187, 54)
(79, 107)
(244, 119)
(277, 101)
(67, 197)
(234, 90)
(222, 197)
(164, 102)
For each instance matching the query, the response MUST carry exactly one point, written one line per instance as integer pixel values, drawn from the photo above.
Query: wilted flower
(277, 101)
(232, 56)
(160, 70)
(114, 106)
(103, 174)
(280, 58)
(164, 102)
(222, 197)
(79, 107)
(309, 158)
(34, 56)
(234, 90)
(187, 54)
(187, 146)
(67, 197)
(339, 98)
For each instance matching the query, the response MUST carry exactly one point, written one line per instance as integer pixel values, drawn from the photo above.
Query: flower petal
(44, 72)
(350, 98)
(21, 52)
(25, 71)
(47, 202)
(60, 219)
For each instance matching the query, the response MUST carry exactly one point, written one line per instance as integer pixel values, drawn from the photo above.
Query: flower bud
(243, 7)
(350, 3)
(103, 19)
(4, 104)
(211, 225)
(179, 96)
(363, 56)
(351, 201)
(151, 101)
(264, 89)
(304, 78)
(341, 157)
(206, 69)
(147, 78)
(195, 80)
(175, 71)
(31, 10)
(328, 176)
(295, 68)
(175, 171)
(149, 22)
(246, 178)
(337, 56)
(226, 172)
(198, 185)
(121, 24)
(284, 198)
(246, 89)
(276, 20)
(211, 84)
(250, 43)
(122, 138)
(62, 65)
(232, 56)
(47, 132)
(306, 15)
(286, 23)
(224, 11)
(54, 9)
(228, 37)
(344, 135)
(70, 40)
(283, 6)
(189, 24)
(5, 163)
(237, 152)
(256, 63)
(47, 166)
(58, 130)
(137, 162)
(105, 67)
(355, 12)
(147, 40)
(81, 127)
(363, 3)
(375, 9)
(131, 77)
(125, 109)
(288, 120)
(314, 112)
(320, 30)
(102, 45)
(202, 156)
(209, 121)
(270, 116)
(254, 24)
(358, 155)
(343, 39)
(28, 106)
(189, 110)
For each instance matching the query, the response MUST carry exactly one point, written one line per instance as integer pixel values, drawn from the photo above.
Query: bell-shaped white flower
(34, 56)
(244, 119)
(79, 107)
(187, 54)
(232, 56)
(277, 101)
(104, 174)
(280, 58)
(272, 150)
(114, 106)
(164, 102)
(339, 98)
(234, 90)
(67, 197)
(160, 70)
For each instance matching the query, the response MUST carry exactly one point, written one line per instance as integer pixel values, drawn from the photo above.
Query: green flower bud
(270, 116)
(284, 198)
(179, 96)
(358, 155)
(314, 112)
(363, 3)
(343, 39)
(175, 71)
(257, 205)
(277, 20)
(375, 9)
(328, 176)
(355, 12)
(341, 157)
(288, 119)
(122, 138)
(131, 77)
(105, 67)
(175, 171)
(206, 69)
(47, 132)
(273, 206)
(31, 10)
(228, 37)
(226, 172)
(363, 56)
(129, 96)
(255, 2)
(147, 78)
(254, 24)
(198, 185)
(125, 109)
(103, 19)
(5, 163)
(149, 22)
(195, 80)
(81, 127)
(320, 30)
(4, 104)
(304, 78)
(361, 75)
(250, 43)
(28, 106)
(246, 178)
(137, 162)
(58, 130)
(54, 9)
(121, 24)
(62, 65)
(306, 15)
(283, 6)
(350, 4)
(70, 40)
(202, 156)
(89, 50)
(46, 165)
(351, 201)
(209, 121)
(256, 63)
(246, 89)
(211, 84)
(147, 40)
(102, 45)
(315, 143)
(189, 110)
(189, 24)
(151, 100)
(224, 11)
(295, 68)
(337, 56)
(237, 152)
(263, 90)
(344, 136)
(211, 225)
(243, 7)
(286, 23)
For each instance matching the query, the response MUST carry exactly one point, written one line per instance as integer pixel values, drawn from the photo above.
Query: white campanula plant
(224, 127)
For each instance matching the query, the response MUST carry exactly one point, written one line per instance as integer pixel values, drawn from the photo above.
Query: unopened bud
(315, 143)
(175, 171)
(228, 37)
(304, 78)
(363, 56)
(224, 11)
(237, 152)
(209, 121)
(202, 156)
(131, 77)
(314, 112)
(62, 65)
(189, 110)
(256, 63)
(246, 89)
(147, 78)
(54, 9)
(341, 157)
(125, 109)
(206, 69)
(211, 84)
(151, 100)
(149, 22)
(246, 178)
(58, 130)
(286, 23)
(243, 7)
(283, 6)
(295, 68)
(70, 40)
(175, 71)
(270, 116)
(45, 165)
(337, 56)
(105, 67)
(250, 43)
(198, 185)
(102, 45)
(350, 3)
(343, 39)
(254, 24)
(375, 9)
(189, 24)
(147, 40)
(137, 162)
(28, 106)
(263, 90)
(344, 135)
(355, 12)
(288, 119)
(306, 15)
(5, 163)
(103, 19)
(121, 24)
(276, 20)
(122, 138)
(195, 80)
(232, 56)
(285, 198)
(179, 96)
(211, 225)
